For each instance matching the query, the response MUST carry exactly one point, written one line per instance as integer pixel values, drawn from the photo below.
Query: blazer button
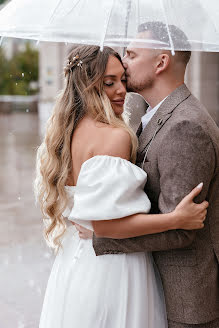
(160, 121)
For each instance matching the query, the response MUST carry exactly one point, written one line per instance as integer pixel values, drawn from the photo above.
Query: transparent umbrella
(112, 22)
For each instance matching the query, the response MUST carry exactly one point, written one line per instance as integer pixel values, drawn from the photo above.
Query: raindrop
(27, 110)
(20, 257)
(37, 43)
(47, 255)
(11, 75)
(6, 262)
(19, 198)
(22, 74)
(31, 283)
(39, 291)
(16, 83)
(20, 324)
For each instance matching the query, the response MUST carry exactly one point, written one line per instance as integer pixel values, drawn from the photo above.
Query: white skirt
(108, 291)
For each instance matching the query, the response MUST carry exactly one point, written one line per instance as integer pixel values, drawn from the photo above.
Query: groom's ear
(162, 63)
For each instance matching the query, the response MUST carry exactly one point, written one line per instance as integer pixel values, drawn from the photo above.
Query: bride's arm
(187, 215)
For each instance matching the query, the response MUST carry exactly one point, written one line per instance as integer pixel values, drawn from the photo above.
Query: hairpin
(80, 63)
(75, 61)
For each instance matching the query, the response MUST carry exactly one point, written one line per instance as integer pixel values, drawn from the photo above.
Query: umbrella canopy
(113, 22)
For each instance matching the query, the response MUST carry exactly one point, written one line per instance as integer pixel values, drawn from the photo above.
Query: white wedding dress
(108, 291)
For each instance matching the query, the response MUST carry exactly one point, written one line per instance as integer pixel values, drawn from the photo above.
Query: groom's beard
(138, 86)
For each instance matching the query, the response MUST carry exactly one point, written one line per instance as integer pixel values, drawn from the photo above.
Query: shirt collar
(150, 113)
(156, 107)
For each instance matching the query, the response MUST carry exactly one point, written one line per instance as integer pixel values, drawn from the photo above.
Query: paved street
(25, 260)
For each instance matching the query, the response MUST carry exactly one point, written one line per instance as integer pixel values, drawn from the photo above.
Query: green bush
(18, 73)
(2, 1)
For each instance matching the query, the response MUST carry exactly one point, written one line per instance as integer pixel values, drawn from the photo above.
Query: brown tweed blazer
(183, 153)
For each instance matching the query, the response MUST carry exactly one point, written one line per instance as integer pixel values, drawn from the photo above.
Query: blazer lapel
(139, 130)
(136, 108)
(162, 115)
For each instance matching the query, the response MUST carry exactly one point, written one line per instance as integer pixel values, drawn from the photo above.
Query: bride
(86, 175)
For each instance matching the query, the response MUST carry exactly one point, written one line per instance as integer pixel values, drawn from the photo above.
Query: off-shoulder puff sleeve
(107, 188)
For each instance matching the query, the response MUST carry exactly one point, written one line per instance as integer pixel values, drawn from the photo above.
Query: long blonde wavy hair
(83, 93)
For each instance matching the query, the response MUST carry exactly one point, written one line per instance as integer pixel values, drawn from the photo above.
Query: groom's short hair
(159, 31)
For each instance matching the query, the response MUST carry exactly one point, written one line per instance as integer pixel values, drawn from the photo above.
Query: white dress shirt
(149, 114)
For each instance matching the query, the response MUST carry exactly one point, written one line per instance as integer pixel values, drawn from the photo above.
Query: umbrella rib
(106, 26)
(168, 30)
(50, 19)
(69, 12)
(54, 11)
(126, 22)
(137, 15)
(203, 6)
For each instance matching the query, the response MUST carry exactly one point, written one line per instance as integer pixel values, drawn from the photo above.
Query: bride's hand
(189, 215)
(83, 232)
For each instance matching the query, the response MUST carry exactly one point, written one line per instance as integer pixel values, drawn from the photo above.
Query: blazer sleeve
(186, 157)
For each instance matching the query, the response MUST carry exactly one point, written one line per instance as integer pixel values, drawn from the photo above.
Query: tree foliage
(18, 73)
(2, 1)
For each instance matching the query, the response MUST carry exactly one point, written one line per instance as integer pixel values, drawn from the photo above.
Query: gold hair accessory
(75, 62)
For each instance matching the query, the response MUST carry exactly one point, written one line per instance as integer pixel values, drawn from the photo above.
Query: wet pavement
(25, 260)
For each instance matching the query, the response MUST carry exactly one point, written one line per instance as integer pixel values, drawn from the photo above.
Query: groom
(178, 148)
(180, 143)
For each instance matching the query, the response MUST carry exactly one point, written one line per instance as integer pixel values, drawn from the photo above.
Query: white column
(193, 74)
(51, 63)
(202, 78)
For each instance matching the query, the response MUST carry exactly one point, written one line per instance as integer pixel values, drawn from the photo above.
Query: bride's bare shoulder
(102, 139)
(113, 142)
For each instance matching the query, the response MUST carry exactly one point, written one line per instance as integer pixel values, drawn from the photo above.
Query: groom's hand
(83, 232)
